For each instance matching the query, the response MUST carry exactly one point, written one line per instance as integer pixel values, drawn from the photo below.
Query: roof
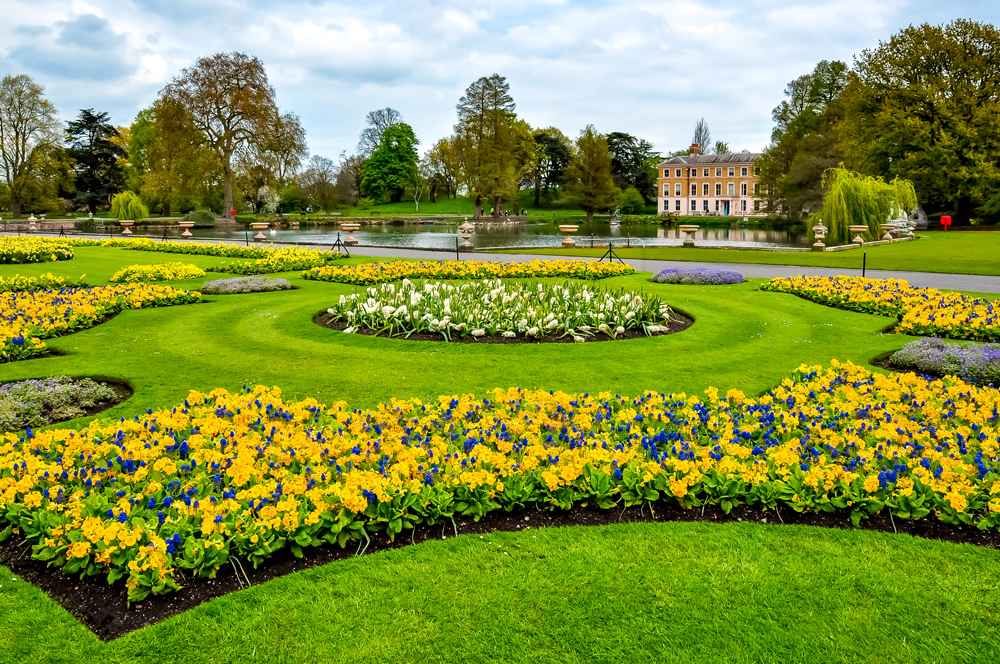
(734, 158)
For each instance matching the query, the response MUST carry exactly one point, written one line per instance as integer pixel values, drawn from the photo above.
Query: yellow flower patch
(367, 274)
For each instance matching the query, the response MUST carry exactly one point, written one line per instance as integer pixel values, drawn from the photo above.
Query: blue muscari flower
(161, 516)
(218, 518)
(152, 503)
(168, 501)
(122, 517)
(111, 513)
(428, 479)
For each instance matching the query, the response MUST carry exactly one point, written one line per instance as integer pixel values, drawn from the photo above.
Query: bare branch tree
(28, 126)
(378, 121)
(702, 137)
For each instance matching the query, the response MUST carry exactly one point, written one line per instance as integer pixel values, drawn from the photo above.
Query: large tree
(633, 163)
(553, 153)
(496, 149)
(376, 122)
(588, 176)
(443, 167)
(924, 106)
(95, 146)
(319, 182)
(387, 171)
(29, 129)
(232, 105)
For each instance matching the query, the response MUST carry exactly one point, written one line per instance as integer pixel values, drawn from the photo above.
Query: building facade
(710, 185)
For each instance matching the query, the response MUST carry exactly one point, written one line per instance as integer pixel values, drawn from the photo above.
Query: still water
(527, 236)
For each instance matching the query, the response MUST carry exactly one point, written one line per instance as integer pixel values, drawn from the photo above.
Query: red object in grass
(946, 221)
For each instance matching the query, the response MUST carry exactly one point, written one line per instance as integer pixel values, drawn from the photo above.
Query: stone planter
(32, 223)
(689, 230)
(859, 230)
(126, 225)
(888, 230)
(568, 230)
(260, 227)
(466, 230)
(819, 230)
(187, 226)
(350, 228)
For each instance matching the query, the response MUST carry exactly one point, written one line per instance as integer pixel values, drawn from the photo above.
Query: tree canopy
(97, 155)
(633, 164)
(387, 171)
(29, 130)
(588, 176)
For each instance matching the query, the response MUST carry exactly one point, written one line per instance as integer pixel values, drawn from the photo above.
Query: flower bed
(34, 250)
(698, 276)
(244, 285)
(35, 403)
(493, 307)
(30, 317)
(921, 311)
(44, 282)
(975, 363)
(158, 272)
(248, 474)
(279, 260)
(368, 274)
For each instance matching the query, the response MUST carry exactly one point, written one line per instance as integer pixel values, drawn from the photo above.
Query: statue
(918, 218)
(616, 217)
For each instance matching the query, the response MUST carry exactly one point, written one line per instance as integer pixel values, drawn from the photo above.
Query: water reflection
(530, 235)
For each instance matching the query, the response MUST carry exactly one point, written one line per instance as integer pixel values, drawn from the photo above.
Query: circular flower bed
(244, 285)
(158, 272)
(497, 308)
(698, 276)
(35, 403)
(974, 363)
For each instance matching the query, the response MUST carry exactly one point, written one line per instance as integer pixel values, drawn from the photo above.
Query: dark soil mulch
(681, 323)
(104, 609)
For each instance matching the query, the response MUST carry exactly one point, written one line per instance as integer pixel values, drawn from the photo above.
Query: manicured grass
(955, 252)
(660, 592)
(675, 592)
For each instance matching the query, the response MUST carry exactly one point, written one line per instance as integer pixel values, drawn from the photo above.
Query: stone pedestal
(887, 231)
(126, 225)
(260, 227)
(350, 228)
(568, 230)
(859, 230)
(187, 226)
(689, 230)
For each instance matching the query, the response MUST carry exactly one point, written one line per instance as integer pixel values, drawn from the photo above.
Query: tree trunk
(432, 188)
(166, 209)
(538, 192)
(15, 207)
(496, 207)
(227, 178)
(479, 207)
(590, 215)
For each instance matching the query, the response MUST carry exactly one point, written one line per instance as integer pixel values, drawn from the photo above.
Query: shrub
(494, 308)
(976, 363)
(376, 273)
(157, 272)
(244, 285)
(364, 203)
(631, 201)
(35, 403)
(248, 474)
(201, 217)
(698, 276)
(21, 250)
(128, 205)
(44, 282)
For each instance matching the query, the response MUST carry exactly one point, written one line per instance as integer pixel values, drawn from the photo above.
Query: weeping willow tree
(853, 199)
(127, 205)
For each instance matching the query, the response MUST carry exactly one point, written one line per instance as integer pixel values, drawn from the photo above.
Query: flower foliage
(975, 363)
(244, 285)
(46, 281)
(494, 307)
(35, 403)
(698, 276)
(247, 474)
(921, 311)
(368, 274)
(157, 272)
(20, 250)
(33, 316)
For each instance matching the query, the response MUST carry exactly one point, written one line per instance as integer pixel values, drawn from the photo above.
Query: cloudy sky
(650, 68)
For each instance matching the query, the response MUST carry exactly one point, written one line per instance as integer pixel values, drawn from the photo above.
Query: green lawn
(656, 592)
(961, 253)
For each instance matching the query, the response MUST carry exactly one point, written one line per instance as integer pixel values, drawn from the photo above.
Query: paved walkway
(967, 282)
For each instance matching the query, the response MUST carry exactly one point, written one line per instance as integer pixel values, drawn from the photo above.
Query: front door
(725, 208)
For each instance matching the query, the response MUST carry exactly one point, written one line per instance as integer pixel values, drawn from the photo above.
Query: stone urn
(888, 230)
(187, 226)
(466, 230)
(819, 231)
(350, 228)
(568, 230)
(689, 230)
(32, 223)
(126, 225)
(260, 227)
(859, 229)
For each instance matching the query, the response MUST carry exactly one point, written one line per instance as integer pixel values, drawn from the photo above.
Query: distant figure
(309, 210)
(233, 214)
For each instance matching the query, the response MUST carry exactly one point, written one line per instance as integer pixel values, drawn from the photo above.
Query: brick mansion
(709, 184)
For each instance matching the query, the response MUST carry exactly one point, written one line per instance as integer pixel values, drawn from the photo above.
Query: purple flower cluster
(975, 363)
(698, 276)
(255, 284)
(35, 403)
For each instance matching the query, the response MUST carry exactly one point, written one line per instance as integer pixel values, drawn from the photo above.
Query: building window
(732, 171)
(666, 172)
(694, 205)
(718, 189)
(716, 206)
(678, 172)
(718, 172)
(704, 189)
(732, 188)
(756, 206)
(756, 188)
(677, 205)
(705, 172)
(743, 189)
(743, 171)
(704, 206)
(666, 189)
(756, 170)
(677, 189)
(743, 206)
(694, 190)
(666, 206)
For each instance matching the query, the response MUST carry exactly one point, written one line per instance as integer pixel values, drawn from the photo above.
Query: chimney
(695, 149)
